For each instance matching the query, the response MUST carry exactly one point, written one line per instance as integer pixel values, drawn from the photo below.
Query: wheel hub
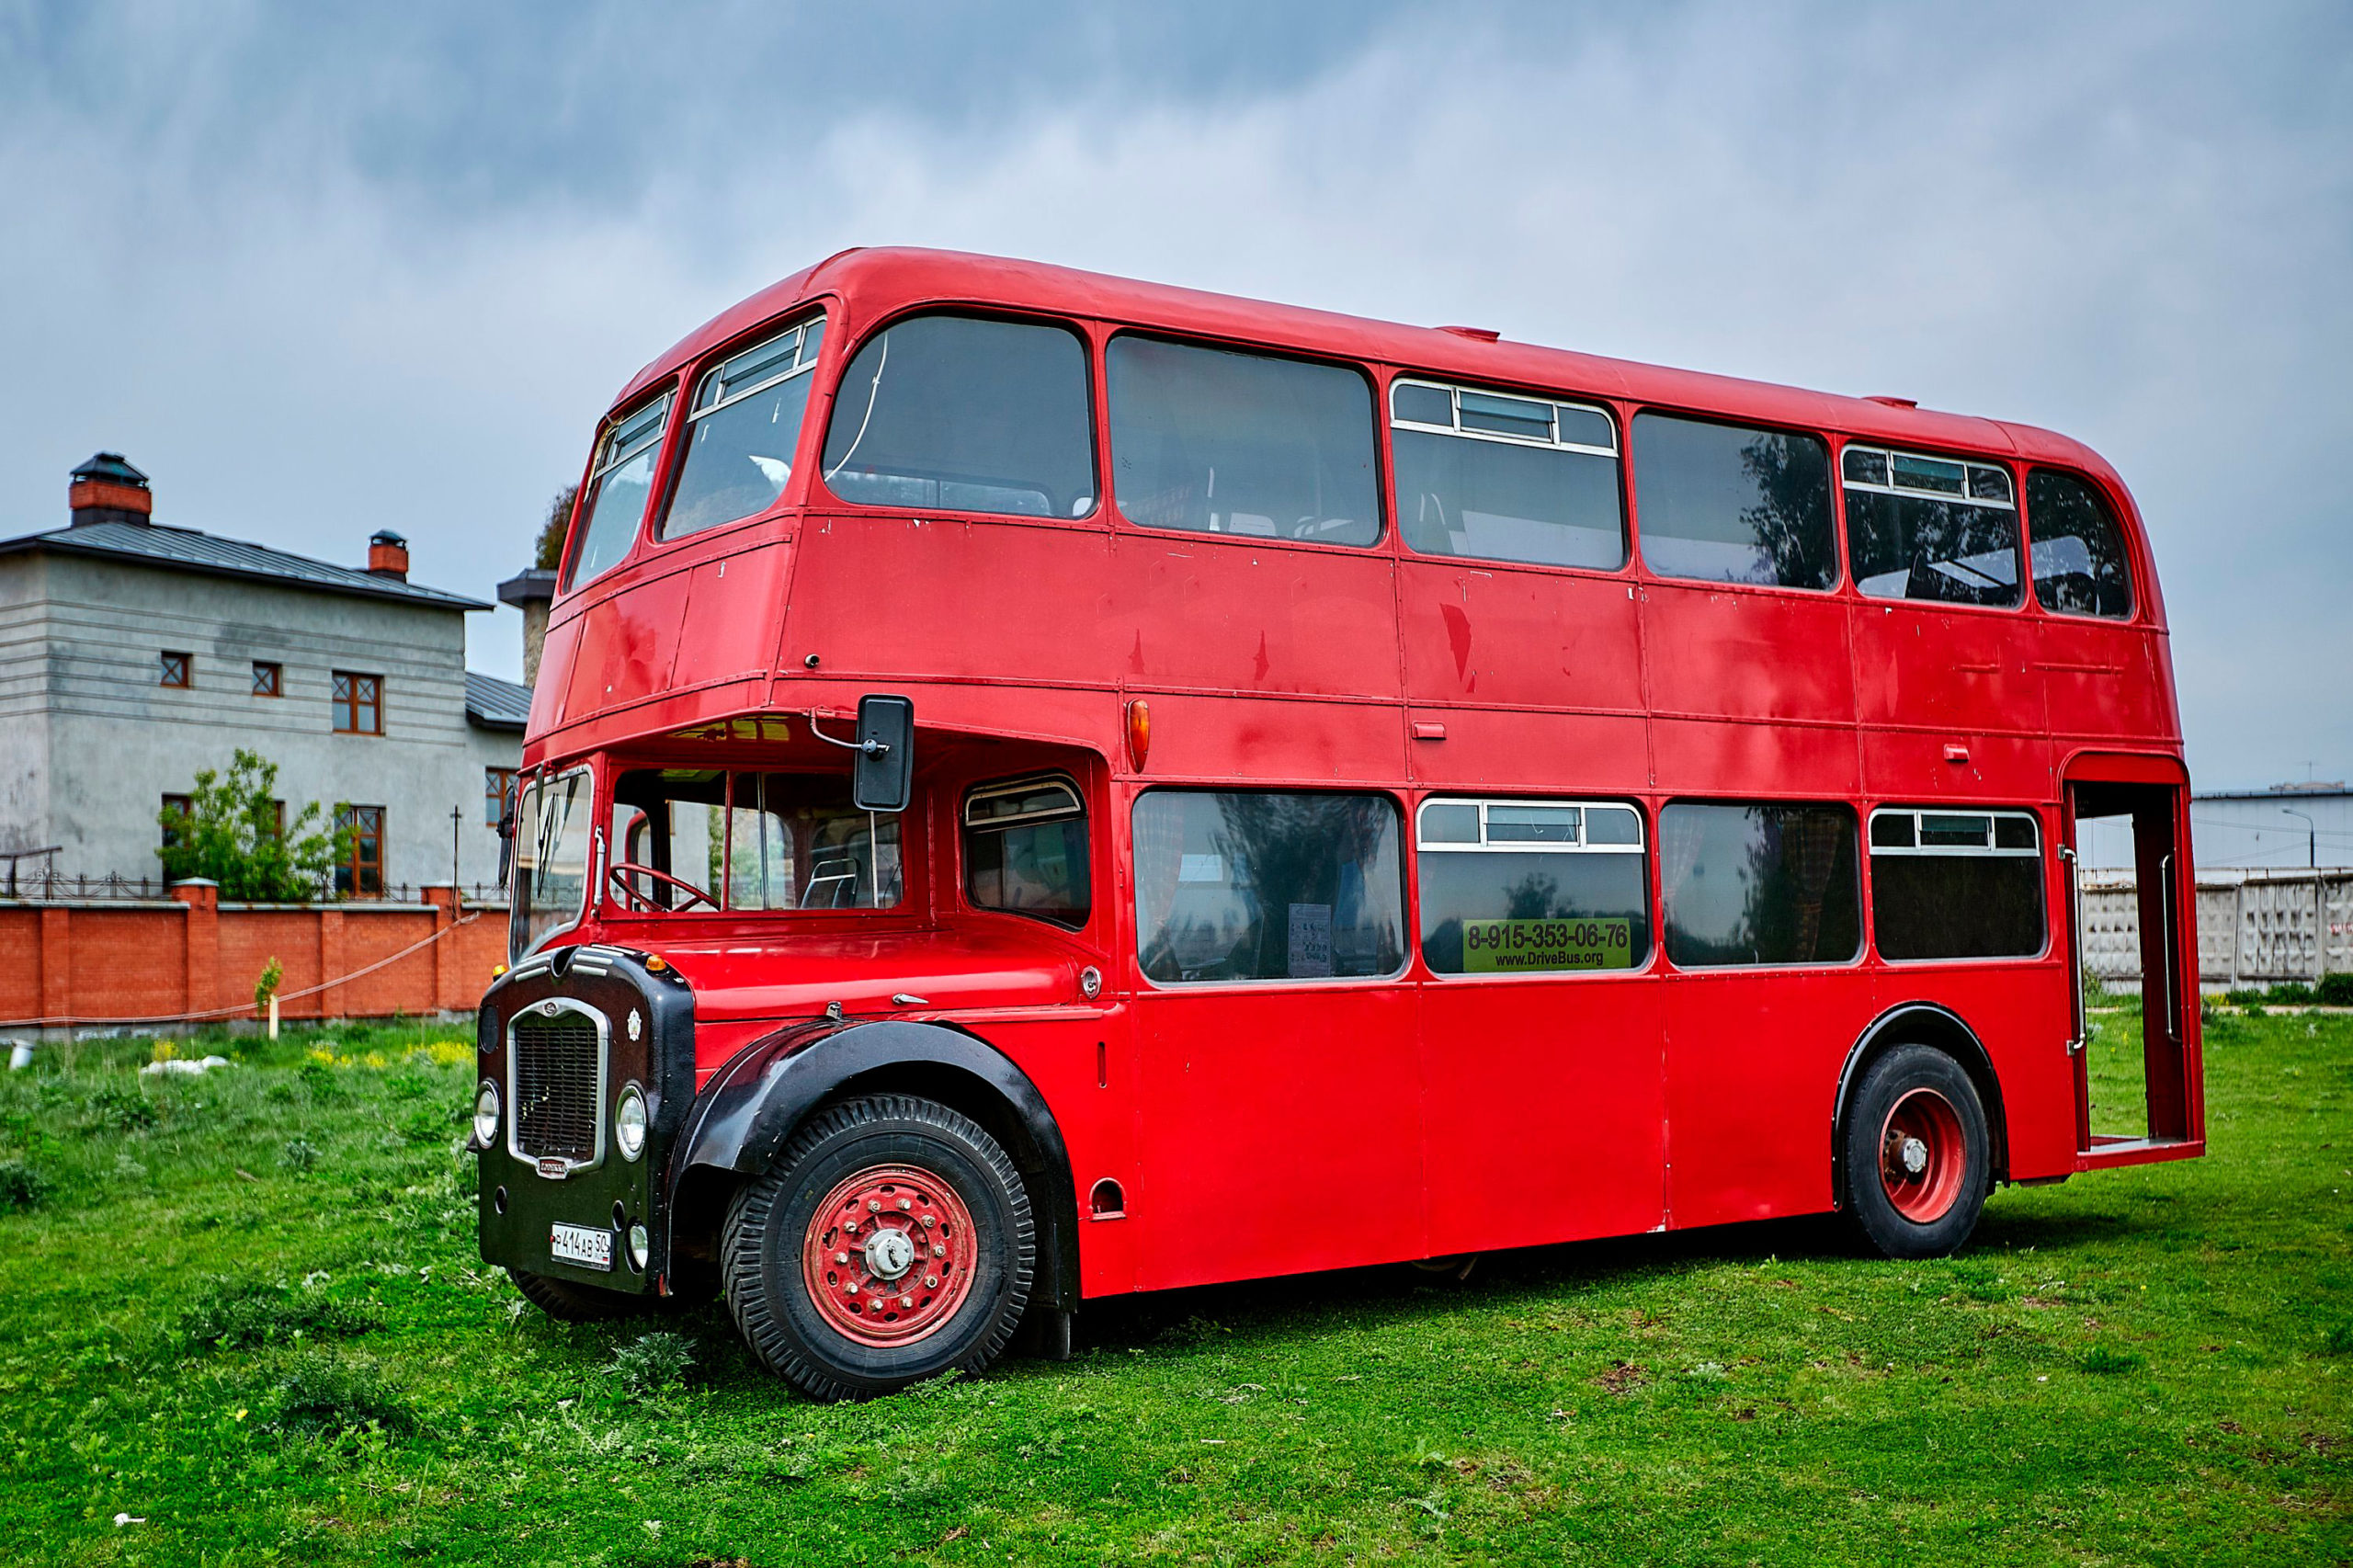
(889, 1256)
(1924, 1156)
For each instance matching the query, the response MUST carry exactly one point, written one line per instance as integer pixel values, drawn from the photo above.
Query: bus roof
(874, 284)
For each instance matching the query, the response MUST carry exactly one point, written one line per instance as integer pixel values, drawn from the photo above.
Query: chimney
(388, 555)
(108, 490)
(533, 593)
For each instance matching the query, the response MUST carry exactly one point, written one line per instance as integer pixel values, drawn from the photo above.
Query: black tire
(567, 1302)
(767, 1224)
(1916, 1074)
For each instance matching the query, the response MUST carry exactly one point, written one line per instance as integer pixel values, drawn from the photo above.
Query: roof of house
(186, 549)
(497, 704)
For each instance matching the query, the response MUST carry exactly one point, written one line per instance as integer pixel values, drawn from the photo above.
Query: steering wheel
(637, 901)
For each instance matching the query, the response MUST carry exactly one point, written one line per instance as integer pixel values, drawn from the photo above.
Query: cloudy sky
(321, 273)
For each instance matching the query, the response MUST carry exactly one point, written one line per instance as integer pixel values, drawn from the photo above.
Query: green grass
(268, 1355)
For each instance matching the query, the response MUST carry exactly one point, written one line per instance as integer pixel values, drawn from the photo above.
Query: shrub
(235, 832)
(2101, 1360)
(2294, 993)
(2338, 1340)
(651, 1364)
(252, 1312)
(321, 1392)
(2334, 991)
(23, 1185)
(122, 1107)
(300, 1154)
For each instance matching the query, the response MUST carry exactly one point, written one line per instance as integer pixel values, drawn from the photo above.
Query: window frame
(1842, 577)
(1620, 455)
(1991, 849)
(277, 685)
(965, 826)
(1097, 432)
(2125, 547)
(2016, 506)
(171, 661)
(347, 702)
(674, 460)
(1405, 890)
(352, 864)
(1642, 846)
(603, 460)
(503, 794)
(1866, 946)
(1383, 501)
(184, 804)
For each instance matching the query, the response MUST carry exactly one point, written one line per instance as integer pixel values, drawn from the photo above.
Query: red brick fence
(78, 964)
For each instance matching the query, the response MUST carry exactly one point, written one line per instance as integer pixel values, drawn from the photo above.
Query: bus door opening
(2131, 1093)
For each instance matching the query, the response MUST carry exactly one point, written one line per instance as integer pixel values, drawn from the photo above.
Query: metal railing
(46, 884)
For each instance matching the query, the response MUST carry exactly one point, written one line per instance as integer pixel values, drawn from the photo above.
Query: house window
(175, 807)
(174, 670)
(497, 783)
(269, 680)
(278, 819)
(358, 704)
(360, 873)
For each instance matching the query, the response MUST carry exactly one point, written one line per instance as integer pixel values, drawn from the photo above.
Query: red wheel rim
(889, 1256)
(1923, 1156)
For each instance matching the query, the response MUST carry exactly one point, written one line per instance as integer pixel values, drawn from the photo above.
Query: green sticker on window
(1509, 947)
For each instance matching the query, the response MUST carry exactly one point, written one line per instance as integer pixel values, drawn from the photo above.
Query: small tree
(548, 553)
(231, 832)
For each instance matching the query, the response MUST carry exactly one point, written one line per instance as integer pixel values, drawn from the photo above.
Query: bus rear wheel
(892, 1241)
(1918, 1162)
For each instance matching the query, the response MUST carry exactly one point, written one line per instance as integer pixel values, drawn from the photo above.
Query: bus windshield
(700, 840)
(551, 883)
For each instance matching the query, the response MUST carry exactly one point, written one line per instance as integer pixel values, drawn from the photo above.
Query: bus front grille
(557, 1072)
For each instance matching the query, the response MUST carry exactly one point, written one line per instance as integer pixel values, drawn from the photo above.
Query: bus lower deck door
(2133, 926)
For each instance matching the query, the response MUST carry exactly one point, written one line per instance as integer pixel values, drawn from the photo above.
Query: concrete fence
(2254, 927)
(69, 965)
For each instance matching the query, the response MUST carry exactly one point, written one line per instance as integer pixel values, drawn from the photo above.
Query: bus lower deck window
(1949, 884)
(1761, 883)
(1267, 885)
(1533, 887)
(1025, 850)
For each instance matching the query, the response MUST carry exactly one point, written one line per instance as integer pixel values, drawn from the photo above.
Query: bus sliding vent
(556, 1072)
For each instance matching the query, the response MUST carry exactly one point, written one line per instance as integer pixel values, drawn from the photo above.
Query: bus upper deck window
(2079, 566)
(968, 415)
(742, 430)
(1925, 528)
(1025, 850)
(1732, 504)
(1219, 442)
(618, 491)
(1504, 478)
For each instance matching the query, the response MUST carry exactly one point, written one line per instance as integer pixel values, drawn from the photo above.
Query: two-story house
(133, 654)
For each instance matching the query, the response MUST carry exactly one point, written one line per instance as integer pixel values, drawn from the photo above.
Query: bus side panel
(1281, 1131)
(2099, 682)
(1990, 769)
(1086, 1070)
(1533, 638)
(1544, 754)
(1753, 1059)
(882, 597)
(2019, 1013)
(628, 642)
(1546, 1111)
(1711, 758)
(1964, 670)
(1214, 613)
(1268, 741)
(1747, 654)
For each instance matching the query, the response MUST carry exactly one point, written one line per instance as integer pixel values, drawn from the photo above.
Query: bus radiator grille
(555, 1087)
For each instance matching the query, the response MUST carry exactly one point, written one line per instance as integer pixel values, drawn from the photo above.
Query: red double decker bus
(1043, 787)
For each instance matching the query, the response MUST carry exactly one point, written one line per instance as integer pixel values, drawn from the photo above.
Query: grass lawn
(245, 1309)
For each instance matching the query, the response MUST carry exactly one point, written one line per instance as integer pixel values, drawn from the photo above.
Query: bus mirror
(885, 778)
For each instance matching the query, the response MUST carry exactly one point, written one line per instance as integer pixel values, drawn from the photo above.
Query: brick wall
(80, 964)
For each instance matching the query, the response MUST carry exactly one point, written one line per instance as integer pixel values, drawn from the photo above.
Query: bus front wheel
(892, 1241)
(1917, 1159)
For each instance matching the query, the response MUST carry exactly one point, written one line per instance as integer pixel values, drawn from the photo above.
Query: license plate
(589, 1248)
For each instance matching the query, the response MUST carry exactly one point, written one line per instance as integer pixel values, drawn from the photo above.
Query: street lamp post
(2312, 838)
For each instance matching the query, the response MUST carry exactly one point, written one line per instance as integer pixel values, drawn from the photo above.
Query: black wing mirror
(883, 778)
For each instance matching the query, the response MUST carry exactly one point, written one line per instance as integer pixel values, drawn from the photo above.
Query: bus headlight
(486, 1114)
(629, 1122)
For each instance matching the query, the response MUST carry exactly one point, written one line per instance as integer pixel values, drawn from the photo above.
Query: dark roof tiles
(496, 704)
(185, 547)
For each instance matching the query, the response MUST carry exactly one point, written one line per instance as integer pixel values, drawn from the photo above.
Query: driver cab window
(703, 840)
(1025, 850)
